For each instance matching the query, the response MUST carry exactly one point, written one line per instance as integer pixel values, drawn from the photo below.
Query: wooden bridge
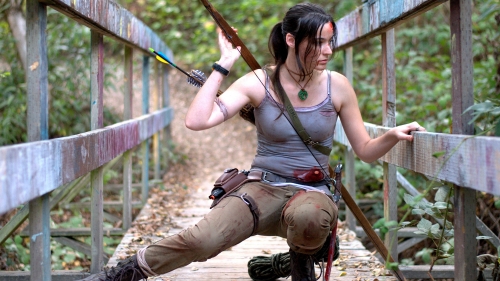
(30, 172)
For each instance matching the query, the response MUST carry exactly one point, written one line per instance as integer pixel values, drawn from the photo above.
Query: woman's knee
(308, 218)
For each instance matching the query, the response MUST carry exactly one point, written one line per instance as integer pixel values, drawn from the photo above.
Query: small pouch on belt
(227, 183)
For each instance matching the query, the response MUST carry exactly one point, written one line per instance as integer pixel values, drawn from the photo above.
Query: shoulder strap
(301, 131)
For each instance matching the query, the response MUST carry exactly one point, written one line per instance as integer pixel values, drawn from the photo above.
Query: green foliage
(12, 95)
(189, 30)
(69, 82)
(20, 253)
(486, 117)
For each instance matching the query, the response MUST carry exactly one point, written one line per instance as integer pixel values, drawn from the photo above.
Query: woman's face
(321, 50)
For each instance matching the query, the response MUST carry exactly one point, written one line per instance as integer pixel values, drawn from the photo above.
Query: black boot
(126, 270)
(302, 267)
(322, 254)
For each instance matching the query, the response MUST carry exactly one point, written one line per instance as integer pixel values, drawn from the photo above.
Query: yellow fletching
(162, 60)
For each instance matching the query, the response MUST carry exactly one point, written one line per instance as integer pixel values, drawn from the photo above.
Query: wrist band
(220, 69)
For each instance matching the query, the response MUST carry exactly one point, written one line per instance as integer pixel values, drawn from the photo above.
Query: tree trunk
(17, 23)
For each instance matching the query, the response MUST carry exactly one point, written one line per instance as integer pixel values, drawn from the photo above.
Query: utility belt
(232, 179)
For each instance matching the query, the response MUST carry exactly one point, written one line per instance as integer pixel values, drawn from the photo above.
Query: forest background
(422, 65)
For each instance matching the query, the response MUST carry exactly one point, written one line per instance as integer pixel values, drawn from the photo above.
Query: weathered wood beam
(350, 173)
(407, 232)
(468, 161)
(96, 176)
(32, 169)
(109, 18)
(375, 17)
(115, 205)
(438, 272)
(37, 94)
(145, 144)
(57, 275)
(79, 246)
(81, 231)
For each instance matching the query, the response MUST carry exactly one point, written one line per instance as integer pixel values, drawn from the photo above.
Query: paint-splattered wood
(109, 18)
(377, 16)
(355, 262)
(466, 161)
(32, 169)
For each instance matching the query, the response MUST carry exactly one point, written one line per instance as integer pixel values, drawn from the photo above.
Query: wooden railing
(471, 163)
(30, 171)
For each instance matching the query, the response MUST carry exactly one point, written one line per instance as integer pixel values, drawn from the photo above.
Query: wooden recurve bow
(349, 201)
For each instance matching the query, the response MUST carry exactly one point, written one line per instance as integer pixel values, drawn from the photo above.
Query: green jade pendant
(303, 94)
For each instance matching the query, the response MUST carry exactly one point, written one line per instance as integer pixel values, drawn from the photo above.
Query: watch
(220, 69)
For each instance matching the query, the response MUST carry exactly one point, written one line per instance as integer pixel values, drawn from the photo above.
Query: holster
(230, 180)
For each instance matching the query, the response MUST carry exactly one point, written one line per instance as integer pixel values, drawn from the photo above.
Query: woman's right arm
(204, 112)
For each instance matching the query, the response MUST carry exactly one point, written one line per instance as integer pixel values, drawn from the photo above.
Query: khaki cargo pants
(304, 218)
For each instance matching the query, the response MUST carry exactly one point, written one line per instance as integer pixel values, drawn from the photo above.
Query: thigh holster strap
(252, 206)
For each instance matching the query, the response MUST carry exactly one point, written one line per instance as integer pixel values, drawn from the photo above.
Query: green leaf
(392, 265)
(435, 229)
(438, 154)
(69, 258)
(441, 205)
(442, 193)
(18, 240)
(424, 225)
(497, 204)
(409, 199)
(418, 212)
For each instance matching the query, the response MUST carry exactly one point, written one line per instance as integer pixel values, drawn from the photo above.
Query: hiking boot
(126, 270)
(322, 254)
(302, 267)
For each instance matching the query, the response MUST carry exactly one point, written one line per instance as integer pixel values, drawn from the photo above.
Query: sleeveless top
(280, 149)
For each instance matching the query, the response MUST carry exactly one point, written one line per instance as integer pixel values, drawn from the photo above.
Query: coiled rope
(262, 268)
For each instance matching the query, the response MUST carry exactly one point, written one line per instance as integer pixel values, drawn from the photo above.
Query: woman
(292, 197)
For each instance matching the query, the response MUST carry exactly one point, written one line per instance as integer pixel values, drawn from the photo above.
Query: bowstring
(228, 36)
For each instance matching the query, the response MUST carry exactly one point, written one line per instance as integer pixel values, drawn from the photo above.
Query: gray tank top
(280, 149)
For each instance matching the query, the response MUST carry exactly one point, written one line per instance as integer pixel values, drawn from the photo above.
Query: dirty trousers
(303, 218)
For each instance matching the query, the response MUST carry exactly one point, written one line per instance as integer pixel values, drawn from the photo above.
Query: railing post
(96, 176)
(145, 144)
(127, 156)
(167, 131)
(156, 137)
(389, 120)
(349, 153)
(462, 96)
(38, 129)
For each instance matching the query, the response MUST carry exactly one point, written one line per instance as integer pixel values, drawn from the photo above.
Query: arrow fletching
(197, 78)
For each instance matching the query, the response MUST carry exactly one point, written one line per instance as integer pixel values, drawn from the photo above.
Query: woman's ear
(290, 40)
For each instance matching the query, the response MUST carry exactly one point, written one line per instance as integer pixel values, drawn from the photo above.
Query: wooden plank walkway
(355, 262)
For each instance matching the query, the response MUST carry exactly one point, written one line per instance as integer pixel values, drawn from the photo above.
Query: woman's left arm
(366, 148)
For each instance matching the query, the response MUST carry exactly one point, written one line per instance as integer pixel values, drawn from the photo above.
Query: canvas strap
(301, 131)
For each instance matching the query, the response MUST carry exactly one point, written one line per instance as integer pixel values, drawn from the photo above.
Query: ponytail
(277, 45)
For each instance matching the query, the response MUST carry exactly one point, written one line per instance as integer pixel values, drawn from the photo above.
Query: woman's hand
(403, 132)
(229, 55)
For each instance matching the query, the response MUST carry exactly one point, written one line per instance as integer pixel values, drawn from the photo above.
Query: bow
(253, 64)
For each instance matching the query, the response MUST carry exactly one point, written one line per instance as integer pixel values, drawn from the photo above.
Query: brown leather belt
(270, 177)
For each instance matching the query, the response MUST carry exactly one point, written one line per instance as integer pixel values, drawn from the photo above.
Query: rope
(262, 268)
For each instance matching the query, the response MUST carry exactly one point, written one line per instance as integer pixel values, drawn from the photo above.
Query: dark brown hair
(302, 21)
